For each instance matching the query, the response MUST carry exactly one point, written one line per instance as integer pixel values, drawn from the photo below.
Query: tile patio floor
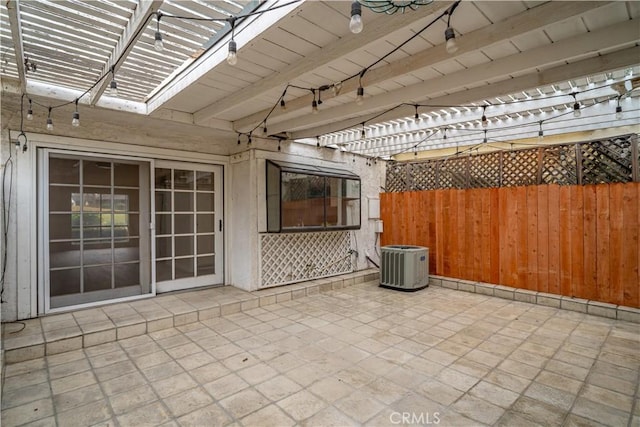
(361, 355)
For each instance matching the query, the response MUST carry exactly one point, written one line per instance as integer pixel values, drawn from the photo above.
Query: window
(311, 198)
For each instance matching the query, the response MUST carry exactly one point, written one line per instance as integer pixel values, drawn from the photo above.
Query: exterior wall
(245, 199)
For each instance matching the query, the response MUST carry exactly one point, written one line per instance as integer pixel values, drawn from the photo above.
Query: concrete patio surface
(360, 355)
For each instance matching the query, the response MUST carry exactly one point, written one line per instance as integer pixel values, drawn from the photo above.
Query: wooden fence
(579, 241)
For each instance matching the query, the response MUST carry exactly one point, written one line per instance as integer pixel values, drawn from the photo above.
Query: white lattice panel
(294, 257)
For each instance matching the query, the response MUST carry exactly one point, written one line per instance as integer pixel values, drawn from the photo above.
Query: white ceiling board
(608, 15)
(407, 79)
(496, 11)
(565, 29)
(276, 51)
(633, 8)
(310, 32)
(500, 50)
(447, 67)
(271, 63)
(197, 94)
(471, 59)
(290, 41)
(333, 21)
(531, 40)
(465, 19)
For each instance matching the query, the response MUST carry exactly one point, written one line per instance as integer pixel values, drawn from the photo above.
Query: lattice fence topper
(293, 257)
(594, 162)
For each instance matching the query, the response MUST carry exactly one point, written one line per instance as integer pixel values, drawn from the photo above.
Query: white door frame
(218, 278)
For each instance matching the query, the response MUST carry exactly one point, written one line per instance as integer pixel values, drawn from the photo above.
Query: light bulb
(450, 38)
(485, 122)
(49, 124)
(355, 24)
(619, 112)
(75, 122)
(540, 135)
(113, 88)
(416, 118)
(29, 114)
(232, 57)
(158, 42)
(283, 105)
(576, 110)
(360, 96)
(314, 107)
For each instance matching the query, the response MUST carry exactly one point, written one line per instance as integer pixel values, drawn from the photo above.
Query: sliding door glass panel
(96, 210)
(186, 219)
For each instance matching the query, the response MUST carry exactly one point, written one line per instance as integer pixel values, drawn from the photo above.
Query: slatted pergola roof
(511, 50)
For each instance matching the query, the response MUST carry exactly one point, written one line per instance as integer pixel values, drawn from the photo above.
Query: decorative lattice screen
(609, 160)
(293, 257)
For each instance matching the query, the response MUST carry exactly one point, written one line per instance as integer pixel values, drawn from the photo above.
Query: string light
(449, 33)
(363, 135)
(355, 24)
(314, 103)
(75, 122)
(485, 137)
(416, 117)
(484, 120)
(618, 110)
(30, 111)
(540, 132)
(158, 45)
(113, 86)
(360, 96)
(336, 88)
(49, 121)
(232, 56)
(576, 107)
(264, 128)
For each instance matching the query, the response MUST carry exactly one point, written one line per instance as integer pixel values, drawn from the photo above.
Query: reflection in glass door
(188, 226)
(96, 227)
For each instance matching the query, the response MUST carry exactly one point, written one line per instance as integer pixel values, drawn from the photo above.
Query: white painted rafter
(524, 64)
(13, 8)
(125, 44)
(520, 24)
(381, 27)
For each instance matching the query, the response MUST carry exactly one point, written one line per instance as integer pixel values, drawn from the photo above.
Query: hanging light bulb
(485, 137)
(314, 107)
(360, 96)
(30, 111)
(158, 36)
(75, 122)
(283, 105)
(49, 121)
(238, 139)
(264, 128)
(355, 24)
(416, 117)
(618, 112)
(576, 110)
(113, 88)
(484, 120)
(450, 38)
(279, 148)
(540, 133)
(232, 57)
(363, 135)
(336, 88)
(158, 45)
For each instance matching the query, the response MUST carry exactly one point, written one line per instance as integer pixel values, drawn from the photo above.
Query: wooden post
(635, 173)
(579, 163)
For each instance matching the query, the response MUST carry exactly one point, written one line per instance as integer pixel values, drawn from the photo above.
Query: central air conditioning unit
(404, 267)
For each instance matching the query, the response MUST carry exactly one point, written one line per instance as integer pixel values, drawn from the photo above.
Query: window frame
(274, 202)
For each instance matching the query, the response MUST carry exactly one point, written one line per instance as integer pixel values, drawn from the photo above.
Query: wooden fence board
(631, 247)
(554, 239)
(522, 245)
(616, 242)
(543, 239)
(565, 241)
(590, 243)
(577, 242)
(531, 223)
(569, 240)
(495, 235)
(603, 220)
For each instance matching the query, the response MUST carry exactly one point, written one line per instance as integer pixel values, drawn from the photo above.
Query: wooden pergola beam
(13, 8)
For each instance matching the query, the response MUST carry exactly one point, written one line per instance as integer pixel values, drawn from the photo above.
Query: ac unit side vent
(404, 267)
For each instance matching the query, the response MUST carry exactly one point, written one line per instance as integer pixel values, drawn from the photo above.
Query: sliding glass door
(95, 224)
(188, 225)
